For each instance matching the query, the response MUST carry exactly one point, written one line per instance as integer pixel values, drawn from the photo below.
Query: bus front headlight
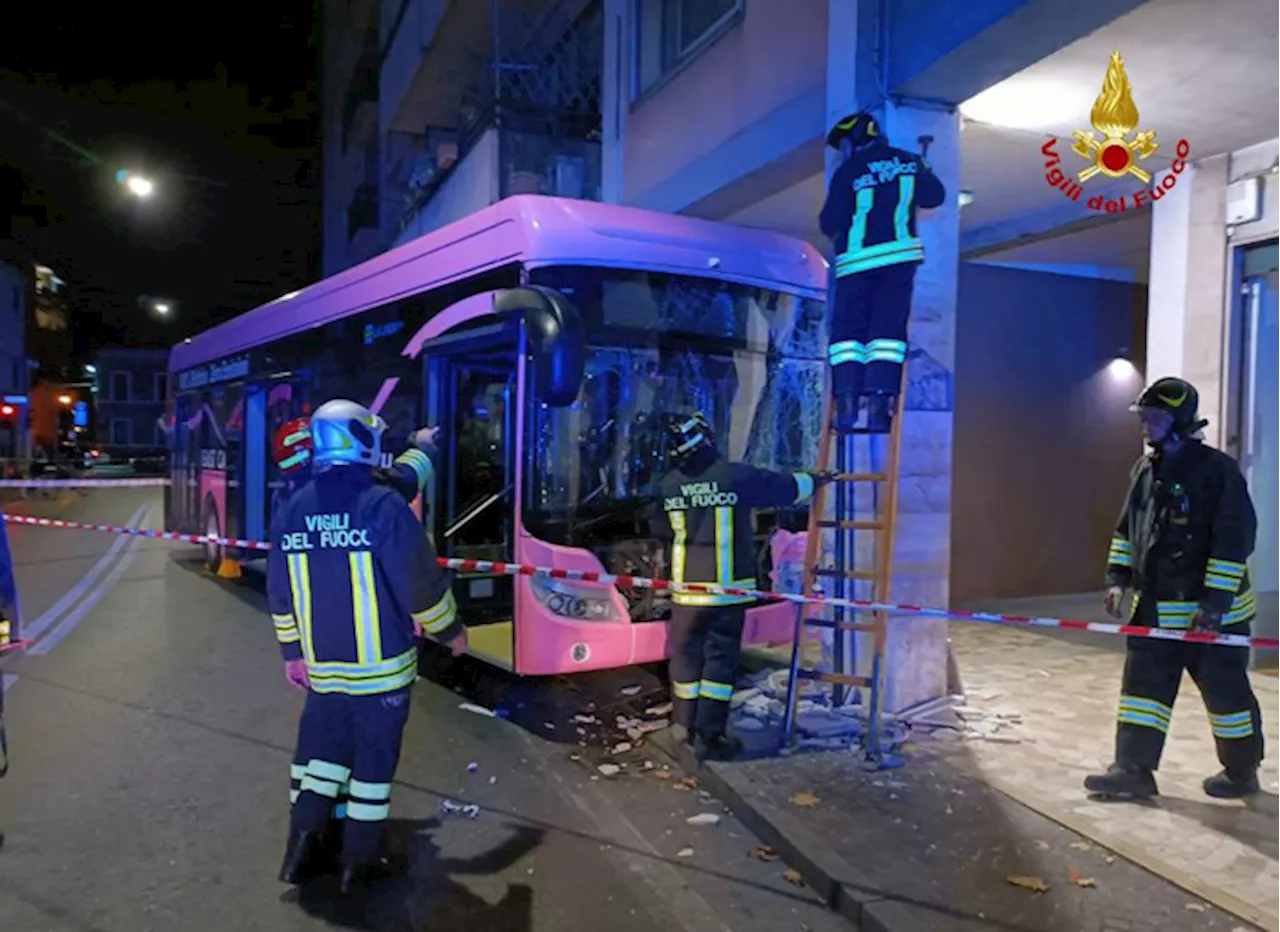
(573, 600)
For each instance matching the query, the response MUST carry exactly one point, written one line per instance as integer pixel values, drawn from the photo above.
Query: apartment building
(432, 110)
(1037, 316)
(129, 397)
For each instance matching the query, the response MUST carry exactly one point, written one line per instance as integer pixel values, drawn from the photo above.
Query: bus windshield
(660, 346)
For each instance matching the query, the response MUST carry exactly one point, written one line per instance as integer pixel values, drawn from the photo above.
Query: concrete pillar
(615, 98)
(1187, 293)
(917, 650)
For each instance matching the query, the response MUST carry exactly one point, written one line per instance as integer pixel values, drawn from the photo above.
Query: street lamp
(140, 186)
(64, 400)
(162, 308)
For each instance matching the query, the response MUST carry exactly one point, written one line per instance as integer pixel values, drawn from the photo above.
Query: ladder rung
(845, 574)
(842, 625)
(854, 525)
(860, 477)
(843, 679)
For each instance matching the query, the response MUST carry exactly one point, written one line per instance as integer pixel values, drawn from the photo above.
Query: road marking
(69, 623)
(51, 616)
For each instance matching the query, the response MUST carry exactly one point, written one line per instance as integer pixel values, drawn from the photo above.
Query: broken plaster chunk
(703, 818)
(609, 770)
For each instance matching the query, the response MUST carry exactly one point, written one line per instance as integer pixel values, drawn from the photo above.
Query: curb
(826, 873)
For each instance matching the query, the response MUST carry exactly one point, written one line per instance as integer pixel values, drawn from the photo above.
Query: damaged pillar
(916, 656)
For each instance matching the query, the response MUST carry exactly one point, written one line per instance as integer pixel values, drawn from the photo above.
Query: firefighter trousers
(348, 750)
(706, 646)
(1152, 673)
(868, 345)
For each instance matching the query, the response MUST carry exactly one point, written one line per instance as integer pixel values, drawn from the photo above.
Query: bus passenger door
(256, 452)
(471, 393)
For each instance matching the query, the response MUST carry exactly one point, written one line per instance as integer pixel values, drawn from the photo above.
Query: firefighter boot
(847, 405)
(383, 867)
(1123, 781)
(881, 407)
(717, 746)
(303, 853)
(1229, 785)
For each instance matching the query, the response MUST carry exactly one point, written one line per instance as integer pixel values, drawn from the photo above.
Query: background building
(433, 110)
(15, 297)
(129, 398)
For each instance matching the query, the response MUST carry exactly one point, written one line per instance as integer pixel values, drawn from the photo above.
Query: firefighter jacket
(870, 213)
(709, 516)
(408, 475)
(1184, 534)
(350, 577)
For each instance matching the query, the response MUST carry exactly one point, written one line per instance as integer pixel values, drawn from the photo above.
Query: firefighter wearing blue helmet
(352, 581)
(707, 501)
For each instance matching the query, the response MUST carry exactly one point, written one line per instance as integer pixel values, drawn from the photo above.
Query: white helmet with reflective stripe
(343, 432)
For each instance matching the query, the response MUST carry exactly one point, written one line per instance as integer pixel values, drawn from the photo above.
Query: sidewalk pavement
(979, 815)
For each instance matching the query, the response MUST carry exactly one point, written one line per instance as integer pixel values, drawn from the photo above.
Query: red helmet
(292, 448)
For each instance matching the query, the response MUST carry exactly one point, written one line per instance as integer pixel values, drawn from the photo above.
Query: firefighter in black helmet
(870, 215)
(707, 501)
(1180, 546)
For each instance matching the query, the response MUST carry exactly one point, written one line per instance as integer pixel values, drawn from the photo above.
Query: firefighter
(1180, 545)
(870, 216)
(707, 501)
(352, 581)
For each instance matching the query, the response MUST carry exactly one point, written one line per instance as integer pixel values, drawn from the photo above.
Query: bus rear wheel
(214, 553)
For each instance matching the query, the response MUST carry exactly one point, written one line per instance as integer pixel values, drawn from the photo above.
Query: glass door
(1260, 441)
(471, 387)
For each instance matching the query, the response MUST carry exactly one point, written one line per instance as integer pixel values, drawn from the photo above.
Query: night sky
(218, 103)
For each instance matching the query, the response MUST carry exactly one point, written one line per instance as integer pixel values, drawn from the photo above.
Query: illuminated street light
(162, 308)
(140, 186)
(91, 370)
(64, 399)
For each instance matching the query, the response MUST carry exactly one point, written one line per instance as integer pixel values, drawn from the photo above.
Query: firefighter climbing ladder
(883, 455)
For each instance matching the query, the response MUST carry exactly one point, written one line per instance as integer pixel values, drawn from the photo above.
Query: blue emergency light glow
(80, 414)
(15, 399)
(122, 175)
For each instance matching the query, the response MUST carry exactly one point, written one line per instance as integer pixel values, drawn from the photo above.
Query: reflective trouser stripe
(1233, 725)
(709, 689)
(685, 690)
(1135, 710)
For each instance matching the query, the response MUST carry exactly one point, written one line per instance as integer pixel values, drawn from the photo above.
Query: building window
(121, 432)
(121, 384)
(670, 32)
(161, 383)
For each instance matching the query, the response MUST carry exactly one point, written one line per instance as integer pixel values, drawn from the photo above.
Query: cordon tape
(496, 568)
(82, 483)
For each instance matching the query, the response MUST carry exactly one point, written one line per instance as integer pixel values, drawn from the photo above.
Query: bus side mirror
(557, 340)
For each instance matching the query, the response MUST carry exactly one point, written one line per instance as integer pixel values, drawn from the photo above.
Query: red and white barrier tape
(81, 483)
(495, 568)
(15, 645)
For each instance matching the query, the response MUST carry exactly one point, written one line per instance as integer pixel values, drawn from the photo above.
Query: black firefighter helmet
(858, 128)
(687, 435)
(1176, 396)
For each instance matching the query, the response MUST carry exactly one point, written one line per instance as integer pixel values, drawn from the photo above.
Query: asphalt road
(151, 732)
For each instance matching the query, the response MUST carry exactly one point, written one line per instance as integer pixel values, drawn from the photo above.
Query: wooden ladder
(848, 577)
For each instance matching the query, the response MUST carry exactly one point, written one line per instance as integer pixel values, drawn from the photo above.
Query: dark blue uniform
(709, 515)
(1184, 534)
(870, 215)
(350, 575)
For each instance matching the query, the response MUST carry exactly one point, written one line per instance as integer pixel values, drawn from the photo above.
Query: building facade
(434, 109)
(129, 392)
(15, 298)
(1045, 300)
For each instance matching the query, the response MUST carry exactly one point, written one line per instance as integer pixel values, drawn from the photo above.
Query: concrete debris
(659, 711)
(609, 770)
(477, 710)
(468, 811)
(472, 767)
(493, 780)
(703, 818)
(586, 720)
(647, 765)
(821, 723)
(685, 853)
(629, 690)
(621, 747)
(750, 724)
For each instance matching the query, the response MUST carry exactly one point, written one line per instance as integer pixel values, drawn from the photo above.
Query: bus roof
(536, 231)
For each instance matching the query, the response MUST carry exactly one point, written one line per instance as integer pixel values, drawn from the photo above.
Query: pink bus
(552, 424)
